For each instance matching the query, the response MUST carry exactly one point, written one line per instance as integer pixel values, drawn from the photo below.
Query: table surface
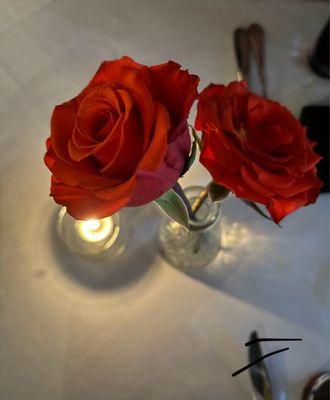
(150, 331)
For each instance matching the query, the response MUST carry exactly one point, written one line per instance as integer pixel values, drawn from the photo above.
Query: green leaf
(174, 207)
(196, 137)
(190, 159)
(217, 192)
(258, 209)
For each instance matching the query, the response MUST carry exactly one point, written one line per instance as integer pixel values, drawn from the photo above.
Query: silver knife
(259, 373)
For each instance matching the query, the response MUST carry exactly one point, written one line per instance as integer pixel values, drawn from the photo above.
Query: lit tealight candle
(95, 230)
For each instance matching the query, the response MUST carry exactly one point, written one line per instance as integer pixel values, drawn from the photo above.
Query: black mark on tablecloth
(258, 340)
(258, 360)
(272, 340)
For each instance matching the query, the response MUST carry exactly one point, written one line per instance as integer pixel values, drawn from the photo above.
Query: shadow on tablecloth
(283, 271)
(130, 267)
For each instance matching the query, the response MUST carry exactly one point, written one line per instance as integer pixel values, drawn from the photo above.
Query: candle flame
(92, 224)
(95, 230)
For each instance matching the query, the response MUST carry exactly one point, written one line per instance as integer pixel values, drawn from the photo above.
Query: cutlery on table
(258, 372)
(242, 51)
(256, 37)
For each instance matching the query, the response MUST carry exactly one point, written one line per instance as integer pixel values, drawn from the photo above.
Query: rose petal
(251, 180)
(82, 204)
(110, 193)
(62, 126)
(135, 79)
(75, 176)
(175, 88)
(151, 185)
(129, 154)
(273, 180)
(108, 151)
(110, 71)
(281, 207)
(179, 145)
(307, 182)
(157, 149)
(238, 185)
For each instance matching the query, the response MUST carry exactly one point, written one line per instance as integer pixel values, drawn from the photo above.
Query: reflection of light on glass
(95, 230)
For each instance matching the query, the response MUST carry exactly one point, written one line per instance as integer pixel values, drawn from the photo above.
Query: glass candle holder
(92, 238)
(193, 249)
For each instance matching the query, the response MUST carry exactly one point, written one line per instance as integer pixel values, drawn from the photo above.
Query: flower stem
(200, 200)
(192, 210)
(197, 204)
(178, 189)
(204, 193)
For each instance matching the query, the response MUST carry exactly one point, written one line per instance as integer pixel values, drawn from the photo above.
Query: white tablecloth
(150, 331)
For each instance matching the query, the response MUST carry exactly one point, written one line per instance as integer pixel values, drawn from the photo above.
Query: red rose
(123, 141)
(257, 148)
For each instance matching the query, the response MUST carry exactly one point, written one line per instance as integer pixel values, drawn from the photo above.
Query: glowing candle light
(92, 237)
(95, 230)
(92, 224)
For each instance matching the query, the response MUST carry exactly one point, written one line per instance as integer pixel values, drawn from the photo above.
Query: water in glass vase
(193, 249)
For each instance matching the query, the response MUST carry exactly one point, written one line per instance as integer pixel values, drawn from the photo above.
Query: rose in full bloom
(124, 140)
(256, 148)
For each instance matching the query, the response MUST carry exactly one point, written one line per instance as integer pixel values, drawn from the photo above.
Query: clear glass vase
(95, 238)
(193, 249)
